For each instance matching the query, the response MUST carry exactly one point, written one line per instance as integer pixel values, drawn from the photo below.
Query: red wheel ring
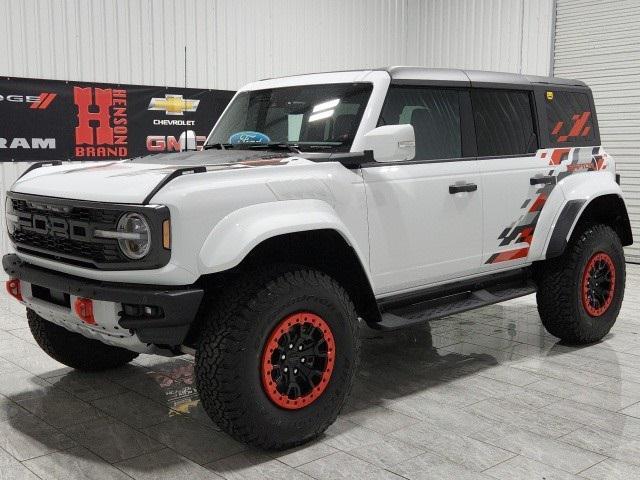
(297, 360)
(598, 284)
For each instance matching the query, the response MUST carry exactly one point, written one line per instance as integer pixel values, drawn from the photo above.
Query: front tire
(277, 356)
(74, 350)
(580, 293)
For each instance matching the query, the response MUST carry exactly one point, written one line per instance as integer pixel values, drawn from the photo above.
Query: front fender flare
(241, 231)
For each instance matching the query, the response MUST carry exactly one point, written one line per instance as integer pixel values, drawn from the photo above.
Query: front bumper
(179, 304)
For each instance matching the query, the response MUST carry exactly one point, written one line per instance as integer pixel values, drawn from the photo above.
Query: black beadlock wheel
(580, 293)
(277, 355)
(74, 350)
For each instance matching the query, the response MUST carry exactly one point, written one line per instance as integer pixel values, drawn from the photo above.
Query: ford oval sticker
(248, 137)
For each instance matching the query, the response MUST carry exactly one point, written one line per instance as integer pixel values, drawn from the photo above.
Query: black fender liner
(567, 218)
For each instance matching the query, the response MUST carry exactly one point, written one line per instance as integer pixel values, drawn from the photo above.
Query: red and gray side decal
(563, 162)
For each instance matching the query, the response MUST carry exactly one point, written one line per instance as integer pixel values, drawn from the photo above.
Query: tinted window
(434, 114)
(569, 118)
(504, 122)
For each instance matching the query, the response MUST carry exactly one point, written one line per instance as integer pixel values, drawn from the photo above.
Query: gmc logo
(55, 227)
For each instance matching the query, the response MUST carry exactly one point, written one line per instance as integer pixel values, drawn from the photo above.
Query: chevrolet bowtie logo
(173, 104)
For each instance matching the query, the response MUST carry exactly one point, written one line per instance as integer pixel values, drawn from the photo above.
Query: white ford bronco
(391, 196)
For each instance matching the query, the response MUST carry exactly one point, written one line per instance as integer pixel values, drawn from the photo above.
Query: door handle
(463, 187)
(550, 180)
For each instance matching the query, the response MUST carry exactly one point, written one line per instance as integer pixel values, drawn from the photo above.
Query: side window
(569, 118)
(504, 122)
(434, 114)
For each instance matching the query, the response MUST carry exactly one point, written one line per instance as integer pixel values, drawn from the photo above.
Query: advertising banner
(58, 120)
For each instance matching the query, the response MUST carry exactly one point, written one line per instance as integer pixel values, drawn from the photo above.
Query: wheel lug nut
(300, 348)
(295, 371)
(283, 357)
(290, 346)
(302, 360)
(286, 369)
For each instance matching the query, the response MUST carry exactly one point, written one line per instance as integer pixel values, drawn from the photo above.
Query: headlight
(134, 236)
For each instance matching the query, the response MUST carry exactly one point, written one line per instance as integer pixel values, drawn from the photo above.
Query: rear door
(507, 141)
(425, 215)
(517, 178)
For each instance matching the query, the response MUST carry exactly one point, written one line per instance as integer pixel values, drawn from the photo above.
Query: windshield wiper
(292, 147)
(217, 146)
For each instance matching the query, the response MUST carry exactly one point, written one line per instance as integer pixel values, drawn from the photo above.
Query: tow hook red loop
(84, 309)
(13, 288)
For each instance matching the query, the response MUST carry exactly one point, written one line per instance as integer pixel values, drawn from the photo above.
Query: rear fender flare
(579, 194)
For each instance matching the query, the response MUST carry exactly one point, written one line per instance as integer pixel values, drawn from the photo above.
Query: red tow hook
(13, 287)
(84, 309)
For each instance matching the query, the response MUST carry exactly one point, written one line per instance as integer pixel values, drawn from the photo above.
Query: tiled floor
(486, 394)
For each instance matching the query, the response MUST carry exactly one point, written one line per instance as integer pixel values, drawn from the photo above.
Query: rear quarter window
(504, 122)
(569, 119)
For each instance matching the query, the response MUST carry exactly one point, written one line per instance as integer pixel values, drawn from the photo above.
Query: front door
(425, 215)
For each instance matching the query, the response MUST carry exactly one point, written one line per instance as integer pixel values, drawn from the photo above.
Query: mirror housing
(391, 143)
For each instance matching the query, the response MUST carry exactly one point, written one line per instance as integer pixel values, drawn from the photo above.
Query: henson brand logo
(102, 129)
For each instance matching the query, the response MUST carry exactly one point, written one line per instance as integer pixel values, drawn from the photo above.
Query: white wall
(232, 42)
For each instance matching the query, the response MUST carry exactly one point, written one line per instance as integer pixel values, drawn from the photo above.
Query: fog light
(142, 311)
(13, 287)
(84, 309)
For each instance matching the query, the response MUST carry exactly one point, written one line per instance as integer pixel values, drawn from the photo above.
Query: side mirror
(391, 143)
(187, 140)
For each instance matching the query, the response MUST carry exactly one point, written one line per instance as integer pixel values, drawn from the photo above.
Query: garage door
(597, 41)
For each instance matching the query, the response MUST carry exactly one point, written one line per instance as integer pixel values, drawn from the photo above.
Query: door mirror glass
(391, 143)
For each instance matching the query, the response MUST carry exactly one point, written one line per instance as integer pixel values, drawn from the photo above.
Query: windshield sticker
(248, 137)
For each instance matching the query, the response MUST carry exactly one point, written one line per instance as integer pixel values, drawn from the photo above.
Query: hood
(130, 181)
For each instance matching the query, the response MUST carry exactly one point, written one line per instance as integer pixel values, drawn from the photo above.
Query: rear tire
(74, 350)
(580, 293)
(265, 316)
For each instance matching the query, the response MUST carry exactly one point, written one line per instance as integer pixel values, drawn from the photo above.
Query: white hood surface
(131, 181)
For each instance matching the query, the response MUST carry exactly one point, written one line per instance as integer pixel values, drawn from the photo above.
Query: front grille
(63, 230)
(91, 252)
(86, 252)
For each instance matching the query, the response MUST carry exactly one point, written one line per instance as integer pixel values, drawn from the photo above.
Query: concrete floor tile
(75, 463)
(508, 374)
(460, 449)
(133, 409)
(524, 468)
(429, 466)
(27, 437)
(537, 447)
(612, 445)
(60, 409)
(193, 441)
(17, 472)
(164, 465)
(254, 466)
(294, 457)
(86, 386)
(341, 465)
(388, 453)
(612, 470)
(523, 416)
(112, 440)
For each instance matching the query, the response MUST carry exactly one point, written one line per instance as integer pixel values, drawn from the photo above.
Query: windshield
(309, 117)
